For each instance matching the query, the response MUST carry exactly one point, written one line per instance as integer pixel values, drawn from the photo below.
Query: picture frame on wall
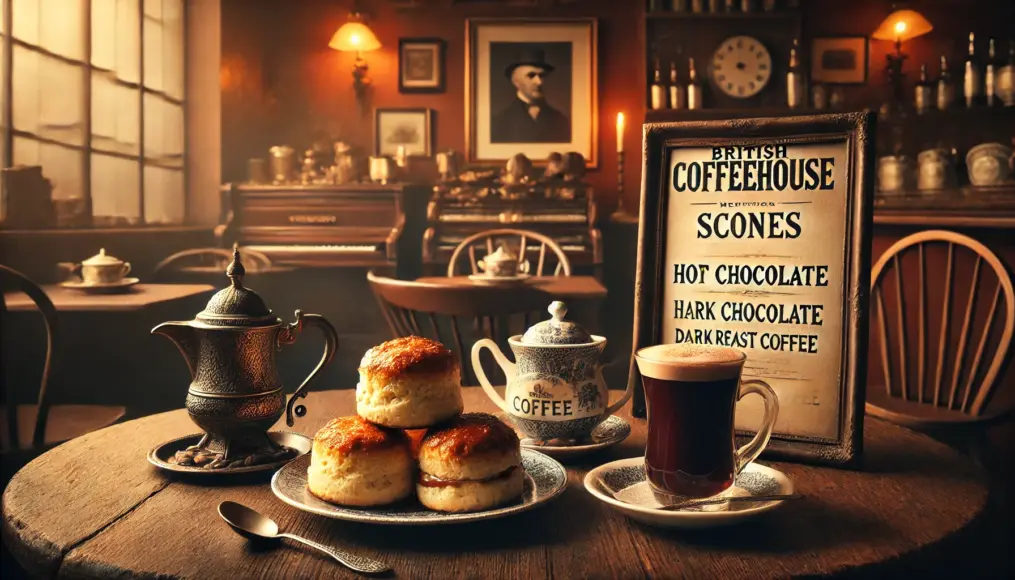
(531, 86)
(839, 60)
(421, 67)
(725, 234)
(408, 127)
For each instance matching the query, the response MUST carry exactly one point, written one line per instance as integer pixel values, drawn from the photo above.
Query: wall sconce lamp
(355, 36)
(900, 26)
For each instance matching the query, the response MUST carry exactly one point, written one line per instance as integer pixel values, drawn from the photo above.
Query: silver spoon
(252, 524)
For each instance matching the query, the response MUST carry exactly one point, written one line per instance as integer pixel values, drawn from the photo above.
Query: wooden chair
(214, 260)
(458, 315)
(527, 242)
(28, 430)
(928, 384)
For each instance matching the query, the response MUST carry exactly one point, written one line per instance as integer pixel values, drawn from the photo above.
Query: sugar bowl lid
(556, 330)
(236, 305)
(101, 259)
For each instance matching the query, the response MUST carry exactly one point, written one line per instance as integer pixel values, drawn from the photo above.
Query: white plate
(635, 499)
(611, 431)
(100, 287)
(484, 280)
(545, 479)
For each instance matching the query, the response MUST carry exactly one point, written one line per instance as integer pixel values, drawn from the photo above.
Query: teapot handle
(288, 336)
(477, 367)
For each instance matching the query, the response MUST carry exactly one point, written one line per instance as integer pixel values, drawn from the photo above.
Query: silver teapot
(235, 394)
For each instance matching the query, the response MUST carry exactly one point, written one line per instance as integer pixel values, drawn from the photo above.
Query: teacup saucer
(485, 280)
(611, 431)
(100, 287)
(632, 496)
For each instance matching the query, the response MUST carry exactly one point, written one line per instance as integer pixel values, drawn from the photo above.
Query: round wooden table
(95, 508)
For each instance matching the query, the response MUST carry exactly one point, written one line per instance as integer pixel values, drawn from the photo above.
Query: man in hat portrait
(529, 118)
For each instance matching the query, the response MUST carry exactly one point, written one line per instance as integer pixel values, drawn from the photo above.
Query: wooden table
(560, 287)
(95, 508)
(137, 297)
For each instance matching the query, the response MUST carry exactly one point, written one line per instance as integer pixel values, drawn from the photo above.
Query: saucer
(634, 498)
(611, 431)
(100, 287)
(484, 280)
(161, 454)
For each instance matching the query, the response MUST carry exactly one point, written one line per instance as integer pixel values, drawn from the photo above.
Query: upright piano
(315, 225)
(454, 214)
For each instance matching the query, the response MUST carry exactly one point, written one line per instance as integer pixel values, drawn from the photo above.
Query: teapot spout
(185, 338)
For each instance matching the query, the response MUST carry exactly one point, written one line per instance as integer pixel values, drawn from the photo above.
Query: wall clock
(741, 67)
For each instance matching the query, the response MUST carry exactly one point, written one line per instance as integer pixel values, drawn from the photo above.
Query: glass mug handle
(752, 450)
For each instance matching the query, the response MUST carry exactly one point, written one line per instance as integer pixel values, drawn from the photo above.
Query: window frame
(86, 150)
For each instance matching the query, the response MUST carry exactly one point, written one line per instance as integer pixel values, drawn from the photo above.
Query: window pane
(48, 97)
(115, 196)
(60, 165)
(116, 118)
(56, 25)
(116, 38)
(153, 52)
(163, 196)
(163, 131)
(172, 47)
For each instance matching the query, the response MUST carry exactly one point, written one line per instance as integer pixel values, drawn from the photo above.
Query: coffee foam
(689, 362)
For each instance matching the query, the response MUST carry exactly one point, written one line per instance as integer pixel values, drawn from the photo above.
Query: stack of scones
(460, 463)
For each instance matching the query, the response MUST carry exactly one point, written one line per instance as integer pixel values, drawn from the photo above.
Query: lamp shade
(903, 25)
(354, 37)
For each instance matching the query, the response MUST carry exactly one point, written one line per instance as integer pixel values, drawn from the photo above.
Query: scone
(357, 463)
(472, 462)
(409, 383)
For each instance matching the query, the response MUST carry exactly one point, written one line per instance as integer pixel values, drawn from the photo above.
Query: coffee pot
(235, 395)
(555, 389)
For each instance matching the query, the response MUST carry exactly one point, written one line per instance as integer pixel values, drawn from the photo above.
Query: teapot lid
(236, 305)
(556, 330)
(102, 259)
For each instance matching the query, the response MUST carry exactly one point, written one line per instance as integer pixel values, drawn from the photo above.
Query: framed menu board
(756, 234)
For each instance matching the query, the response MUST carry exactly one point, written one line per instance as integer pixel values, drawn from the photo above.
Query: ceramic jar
(894, 174)
(936, 170)
(988, 164)
(103, 269)
(555, 389)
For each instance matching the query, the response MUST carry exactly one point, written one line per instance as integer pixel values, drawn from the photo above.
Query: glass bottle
(730, 4)
(796, 91)
(924, 92)
(678, 95)
(945, 87)
(679, 6)
(990, 74)
(658, 90)
(972, 80)
(713, 6)
(1004, 81)
(695, 94)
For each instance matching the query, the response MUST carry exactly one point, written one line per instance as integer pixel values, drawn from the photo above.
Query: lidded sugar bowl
(555, 389)
(235, 394)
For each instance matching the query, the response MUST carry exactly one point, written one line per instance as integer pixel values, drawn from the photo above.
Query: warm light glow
(354, 37)
(620, 132)
(902, 25)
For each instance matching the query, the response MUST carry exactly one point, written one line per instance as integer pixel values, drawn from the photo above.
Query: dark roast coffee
(691, 392)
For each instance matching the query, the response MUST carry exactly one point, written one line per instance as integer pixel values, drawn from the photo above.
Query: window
(93, 92)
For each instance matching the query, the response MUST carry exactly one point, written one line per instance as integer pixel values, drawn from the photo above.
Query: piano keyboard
(315, 249)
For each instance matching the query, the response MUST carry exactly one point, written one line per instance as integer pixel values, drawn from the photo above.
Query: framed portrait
(839, 60)
(531, 87)
(411, 128)
(421, 65)
(756, 234)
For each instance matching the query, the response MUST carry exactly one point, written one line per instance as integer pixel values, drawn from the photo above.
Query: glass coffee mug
(691, 392)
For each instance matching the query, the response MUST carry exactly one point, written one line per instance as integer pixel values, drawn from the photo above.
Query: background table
(135, 298)
(95, 508)
(560, 287)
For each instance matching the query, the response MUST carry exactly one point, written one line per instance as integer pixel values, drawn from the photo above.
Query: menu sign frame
(812, 282)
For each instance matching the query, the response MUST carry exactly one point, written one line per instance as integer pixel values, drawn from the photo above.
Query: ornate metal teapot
(235, 395)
